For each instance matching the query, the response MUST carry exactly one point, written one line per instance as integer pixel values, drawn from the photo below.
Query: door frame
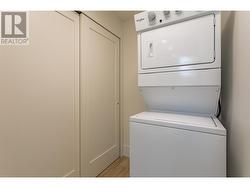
(74, 16)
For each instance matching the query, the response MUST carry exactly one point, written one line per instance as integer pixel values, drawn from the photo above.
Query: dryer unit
(179, 62)
(179, 75)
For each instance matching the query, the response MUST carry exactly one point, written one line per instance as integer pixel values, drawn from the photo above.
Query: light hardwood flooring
(119, 168)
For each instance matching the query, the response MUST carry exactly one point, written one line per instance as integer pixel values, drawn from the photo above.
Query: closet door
(99, 97)
(39, 106)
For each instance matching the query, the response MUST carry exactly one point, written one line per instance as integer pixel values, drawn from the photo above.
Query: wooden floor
(119, 168)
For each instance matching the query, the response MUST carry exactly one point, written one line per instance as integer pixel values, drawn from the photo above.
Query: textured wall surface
(236, 90)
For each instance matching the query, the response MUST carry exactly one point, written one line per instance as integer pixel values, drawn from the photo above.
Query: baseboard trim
(126, 150)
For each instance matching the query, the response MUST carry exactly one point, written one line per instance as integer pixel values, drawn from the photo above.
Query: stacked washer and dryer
(179, 76)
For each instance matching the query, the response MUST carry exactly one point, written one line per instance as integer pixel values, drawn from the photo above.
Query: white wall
(236, 90)
(132, 99)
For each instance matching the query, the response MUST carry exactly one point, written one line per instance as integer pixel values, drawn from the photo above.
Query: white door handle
(150, 54)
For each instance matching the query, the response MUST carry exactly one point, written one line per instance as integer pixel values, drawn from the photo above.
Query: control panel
(152, 19)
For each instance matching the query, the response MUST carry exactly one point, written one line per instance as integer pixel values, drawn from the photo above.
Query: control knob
(178, 12)
(151, 17)
(166, 13)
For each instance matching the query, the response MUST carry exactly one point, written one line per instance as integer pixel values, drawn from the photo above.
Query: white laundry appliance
(179, 75)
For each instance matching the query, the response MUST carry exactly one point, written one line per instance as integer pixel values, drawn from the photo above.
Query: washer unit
(179, 75)
(176, 145)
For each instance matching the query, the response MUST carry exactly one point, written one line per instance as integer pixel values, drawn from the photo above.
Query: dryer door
(190, 42)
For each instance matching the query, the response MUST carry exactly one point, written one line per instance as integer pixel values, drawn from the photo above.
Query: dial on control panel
(166, 14)
(178, 12)
(151, 17)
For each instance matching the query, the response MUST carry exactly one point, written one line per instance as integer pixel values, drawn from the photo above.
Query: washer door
(190, 42)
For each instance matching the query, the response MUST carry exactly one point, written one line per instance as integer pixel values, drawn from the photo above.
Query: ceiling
(125, 15)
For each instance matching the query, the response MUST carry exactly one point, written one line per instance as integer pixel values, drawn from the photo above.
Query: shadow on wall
(228, 21)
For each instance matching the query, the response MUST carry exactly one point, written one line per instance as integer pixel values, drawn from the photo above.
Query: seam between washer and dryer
(152, 124)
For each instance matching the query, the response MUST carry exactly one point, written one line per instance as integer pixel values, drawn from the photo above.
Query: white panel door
(39, 116)
(99, 97)
(185, 43)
